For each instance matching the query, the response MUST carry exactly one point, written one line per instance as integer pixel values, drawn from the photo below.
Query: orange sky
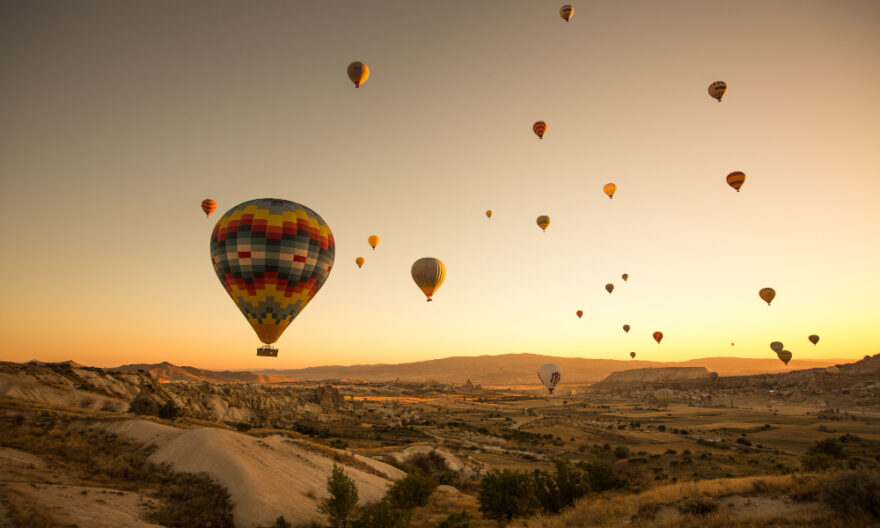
(119, 118)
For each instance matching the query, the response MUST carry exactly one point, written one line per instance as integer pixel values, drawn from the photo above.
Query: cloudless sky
(118, 118)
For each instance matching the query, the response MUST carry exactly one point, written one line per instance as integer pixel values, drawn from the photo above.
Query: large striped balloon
(566, 12)
(540, 128)
(272, 256)
(736, 179)
(209, 206)
(429, 273)
(717, 89)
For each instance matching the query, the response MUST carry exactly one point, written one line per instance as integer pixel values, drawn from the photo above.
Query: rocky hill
(666, 376)
(166, 372)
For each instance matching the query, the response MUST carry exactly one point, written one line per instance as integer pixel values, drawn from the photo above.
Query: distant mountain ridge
(520, 369)
(166, 372)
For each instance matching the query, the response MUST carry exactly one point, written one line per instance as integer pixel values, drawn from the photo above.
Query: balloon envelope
(632, 355)
(543, 221)
(776, 346)
(767, 294)
(540, 128)
(609, 287)
(359, 261)
(784, 356)
(489, 213)
(428, 273)
(550, 374)
(658, 336)
(373, 240)
(610, 189)
(813, 339)
(358, 72)
(626, 328)
(209, 206)
(717, 90)
(272, 256)
(625, 277)
(736, 179)
(580, 313)
(566, 12)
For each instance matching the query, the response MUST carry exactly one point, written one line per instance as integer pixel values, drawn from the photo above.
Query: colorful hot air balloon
(664, 396)
(658, 336)
(717, 89)
(625, 277)
(784, 356)
(358, 72)
(550, 374)
(767, 294)
(626, 328)
(813, 339)
(736, 179)
(543, 222)
(566, 12)
(632, 355)
(489, 213)
(540, 128)
(610, 189)
(609, 288)
(272, 256)
(776, 346)
(580, 313)
(373, 240)
(359, 261)
(208, 206)
(429, 273)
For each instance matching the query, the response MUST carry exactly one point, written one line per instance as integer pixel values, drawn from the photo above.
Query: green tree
(411, 491)
(169, 410)
(342, 503)
(601, 475)
(382, 515)
(456, 520)
(143, 405)
(507, 494)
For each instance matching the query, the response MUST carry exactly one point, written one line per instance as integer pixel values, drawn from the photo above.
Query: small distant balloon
(358, 72)
(626, 328)
(550, 374)
(784, 356)
(373, 240)
(543, 221)
(813, 339)
(767, 294)
(776, 346)
(428, 274)
(489, 213)
(359, 261)
(566, 12)
(717, 90)
(736, 179)
(610, 189)
(209, 206)
(580, 313)
(632, 355)
(625, 277)
(540, 128)
(609, 287)
(658, 336)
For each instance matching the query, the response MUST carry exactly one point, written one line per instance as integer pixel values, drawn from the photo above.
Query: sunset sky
(118, 118)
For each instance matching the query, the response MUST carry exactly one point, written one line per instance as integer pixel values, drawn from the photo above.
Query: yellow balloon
(429, 274)
(358, 72)
(610, 189)
(373, 241)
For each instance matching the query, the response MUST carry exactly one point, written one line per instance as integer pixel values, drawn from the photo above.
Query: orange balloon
(658, 336)
(359, 261)
(767, 294)
(540, 128)
(580, 313)
(209, 206)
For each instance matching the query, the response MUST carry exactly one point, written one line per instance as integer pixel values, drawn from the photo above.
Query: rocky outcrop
(673, 377)
(329, 398)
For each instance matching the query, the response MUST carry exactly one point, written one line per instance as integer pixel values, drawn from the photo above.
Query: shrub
(341, 503)
(621, 452)
(647, 511)
(558, 491)
(143, 405)
(280, 522)
(456, 520)
(507, 494)
(697, 505)
(381, 515)
(601, 475)
(411, 491)
(853, 494)
(169, 411)
(829, 447)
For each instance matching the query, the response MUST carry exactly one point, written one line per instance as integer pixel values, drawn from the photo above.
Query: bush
(507, 494)
(143, 405)
(601, 475)
(819, 462)
(829, 447)
(169, 411)
(456, 520)
(555, 492)
(698, 505)
(411, 491)
(621, 452)
(853, 494)
(381, 515)
(342, 502)
(280, 522)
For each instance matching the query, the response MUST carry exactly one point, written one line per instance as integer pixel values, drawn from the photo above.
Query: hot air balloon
(664, 396)
(813, 339)
(767, 294)
(776, 346)
(272, 256)
(373, 240)
(359, 261)
(550, 374)
(358, 72)
(632, 355)
(658, 336)
(540, 128)
(580, 313)
(609, 287)
(610, 189)
(717, 89)
(543, 222)
(626, 328)
(625, 277)
(566, 12)
(784, 356)
(489, 213)
(208, 206)
(736, 179)
(832, 369)
(429, 273)
(732, 344)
